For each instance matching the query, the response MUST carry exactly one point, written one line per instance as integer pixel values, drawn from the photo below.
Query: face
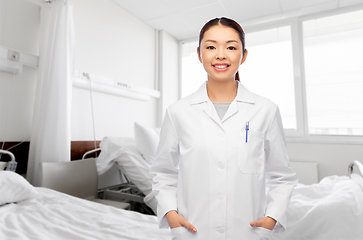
(221, 53)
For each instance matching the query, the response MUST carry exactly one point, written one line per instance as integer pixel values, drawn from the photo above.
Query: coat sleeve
(165, 170)
(280, 178)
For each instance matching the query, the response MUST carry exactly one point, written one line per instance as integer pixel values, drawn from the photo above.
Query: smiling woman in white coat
(221, 167)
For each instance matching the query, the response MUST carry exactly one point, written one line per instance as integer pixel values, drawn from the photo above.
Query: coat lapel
(243, 95)
(232, 110)
(210, 110)
(201, 97)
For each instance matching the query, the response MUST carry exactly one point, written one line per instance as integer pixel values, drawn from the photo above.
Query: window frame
(320, 138)
(292, 23)
(301, 133)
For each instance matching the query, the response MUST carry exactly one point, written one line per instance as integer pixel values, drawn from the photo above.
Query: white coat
(216, 180)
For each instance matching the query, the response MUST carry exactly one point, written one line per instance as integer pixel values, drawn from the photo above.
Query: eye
(231, 48)
(210, 47)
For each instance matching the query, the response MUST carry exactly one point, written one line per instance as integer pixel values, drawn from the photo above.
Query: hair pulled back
(227, 23)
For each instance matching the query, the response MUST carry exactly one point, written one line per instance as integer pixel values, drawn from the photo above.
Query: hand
(175, 220)
(266, 222)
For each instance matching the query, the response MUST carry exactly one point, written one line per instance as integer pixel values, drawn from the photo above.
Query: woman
(221, 167)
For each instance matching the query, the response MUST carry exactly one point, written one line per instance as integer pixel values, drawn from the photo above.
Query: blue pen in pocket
(247, 128)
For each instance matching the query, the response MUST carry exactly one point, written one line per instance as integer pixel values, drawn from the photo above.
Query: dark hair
(224, 22)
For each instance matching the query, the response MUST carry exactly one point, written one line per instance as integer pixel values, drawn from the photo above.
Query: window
(192, 73)
(268, 70)
(333, 50)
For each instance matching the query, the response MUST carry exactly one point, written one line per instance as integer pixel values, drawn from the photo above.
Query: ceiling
(184, 18)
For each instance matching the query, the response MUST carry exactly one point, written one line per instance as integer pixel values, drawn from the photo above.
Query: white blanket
(330, 210)
(54, 215)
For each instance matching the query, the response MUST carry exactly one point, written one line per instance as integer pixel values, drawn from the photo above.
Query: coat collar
(243, 95)
(201, 96)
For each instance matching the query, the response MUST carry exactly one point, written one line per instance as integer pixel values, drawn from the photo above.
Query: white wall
(113, 43)
(332, 159)
(109, 42)
(19, 30)
(168, 74)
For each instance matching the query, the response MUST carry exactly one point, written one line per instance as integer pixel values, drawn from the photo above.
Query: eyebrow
(214, 41)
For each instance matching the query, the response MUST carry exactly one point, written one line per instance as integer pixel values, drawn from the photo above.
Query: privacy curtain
(50, 133)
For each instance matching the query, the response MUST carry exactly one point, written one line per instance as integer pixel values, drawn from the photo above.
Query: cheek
(206, 57)
(238, 59)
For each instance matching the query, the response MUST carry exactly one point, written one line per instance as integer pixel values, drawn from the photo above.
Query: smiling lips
(220, 67)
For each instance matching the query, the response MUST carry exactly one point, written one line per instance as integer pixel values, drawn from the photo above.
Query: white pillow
(111, 148)
(147, 140)
(14, 188)
(123, 151)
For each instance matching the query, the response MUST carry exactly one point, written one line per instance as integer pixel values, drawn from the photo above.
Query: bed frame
(21, 152)
(355, 164)
(126, 191)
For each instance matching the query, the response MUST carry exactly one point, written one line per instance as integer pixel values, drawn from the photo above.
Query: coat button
(221, 165)
(220, 230)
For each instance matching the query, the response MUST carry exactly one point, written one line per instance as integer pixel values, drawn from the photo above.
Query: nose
(221, 54)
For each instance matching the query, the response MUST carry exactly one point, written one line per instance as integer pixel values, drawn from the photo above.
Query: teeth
(220, 66)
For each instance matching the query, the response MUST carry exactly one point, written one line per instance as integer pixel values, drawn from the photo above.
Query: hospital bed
(120, 189)
(136, 187)
(77, 178)
(28, 212)
(330, 209)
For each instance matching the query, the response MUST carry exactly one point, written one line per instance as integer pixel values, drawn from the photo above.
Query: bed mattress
(54, 215)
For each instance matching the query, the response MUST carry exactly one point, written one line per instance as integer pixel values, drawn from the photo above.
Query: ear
(244, 57)
(199, 57)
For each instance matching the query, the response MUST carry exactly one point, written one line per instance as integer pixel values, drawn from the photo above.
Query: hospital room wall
(109, 42)
(332, 158)
(168, 72)
(19, 30)
(113, 43)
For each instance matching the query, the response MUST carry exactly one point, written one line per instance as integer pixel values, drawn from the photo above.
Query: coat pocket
(263, 233)
(251, 154)
(178, 232)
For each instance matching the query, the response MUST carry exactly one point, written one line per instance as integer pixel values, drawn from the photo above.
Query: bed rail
(357, 164)
(91, 151)
(10, 166)
(12, 157)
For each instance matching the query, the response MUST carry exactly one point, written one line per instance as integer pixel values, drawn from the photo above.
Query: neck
(225, 91)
